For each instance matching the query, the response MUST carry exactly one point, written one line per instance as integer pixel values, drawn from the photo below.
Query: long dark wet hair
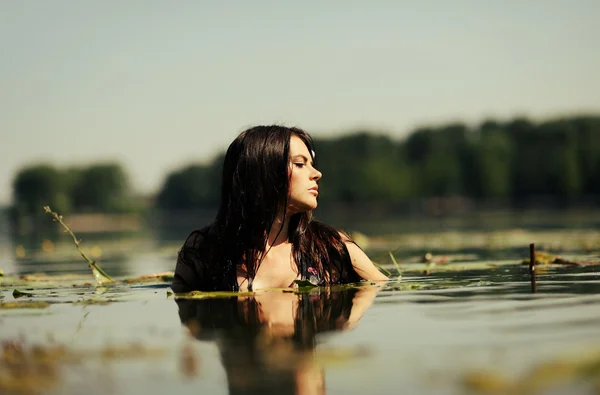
(254, 191)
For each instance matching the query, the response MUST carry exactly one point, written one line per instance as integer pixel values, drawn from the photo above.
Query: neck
(278, 233)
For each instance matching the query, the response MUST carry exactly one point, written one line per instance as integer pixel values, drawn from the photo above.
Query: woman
(264, 235)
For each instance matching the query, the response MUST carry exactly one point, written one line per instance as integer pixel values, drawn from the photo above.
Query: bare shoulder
(361, 262)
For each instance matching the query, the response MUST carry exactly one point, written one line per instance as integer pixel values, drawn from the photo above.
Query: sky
(156, 85)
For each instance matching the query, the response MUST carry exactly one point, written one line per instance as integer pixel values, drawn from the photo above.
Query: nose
(316, 175)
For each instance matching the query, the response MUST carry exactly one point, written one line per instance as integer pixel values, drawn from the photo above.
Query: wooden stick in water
(532, 266)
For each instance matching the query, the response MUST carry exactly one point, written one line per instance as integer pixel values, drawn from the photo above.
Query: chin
(310, 204)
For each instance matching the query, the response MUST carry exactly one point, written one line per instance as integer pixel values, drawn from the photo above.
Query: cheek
(294, 180)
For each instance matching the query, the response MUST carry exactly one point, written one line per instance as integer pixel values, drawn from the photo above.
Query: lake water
(468, 326)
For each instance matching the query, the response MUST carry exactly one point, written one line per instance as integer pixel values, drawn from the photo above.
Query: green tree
(37, 186)
(437, 159)
(100, 188)
(524, 170)
(562, 160)
(491, 168)
(518, 159)
(587, 130)
(194, 186)
(361, 167)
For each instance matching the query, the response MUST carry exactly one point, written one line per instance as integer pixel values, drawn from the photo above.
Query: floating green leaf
(21, 304)
(543, 258)
(156, 277)
(304, 284)
(215, 294)
(20, 294)
(411, 286)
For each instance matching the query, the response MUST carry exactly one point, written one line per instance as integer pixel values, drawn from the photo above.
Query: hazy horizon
(156, 85)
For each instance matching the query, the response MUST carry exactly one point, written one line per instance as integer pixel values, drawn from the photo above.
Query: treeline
(510, 161)
(96, 188)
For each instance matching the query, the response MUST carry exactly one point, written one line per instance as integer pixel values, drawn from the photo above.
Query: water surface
(425, 334)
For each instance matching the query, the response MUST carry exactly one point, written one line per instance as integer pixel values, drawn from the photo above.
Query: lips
(314, 189)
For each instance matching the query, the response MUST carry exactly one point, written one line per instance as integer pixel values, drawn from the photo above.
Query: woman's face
(303, 178)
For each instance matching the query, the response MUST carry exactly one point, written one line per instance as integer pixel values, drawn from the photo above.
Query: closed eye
(299, 165)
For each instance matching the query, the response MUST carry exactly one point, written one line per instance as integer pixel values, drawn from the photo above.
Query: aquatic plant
(100, 275)
(29, 369)
(545, 258)
(396, 264)
(211, 294)
(19, 304)
(20, 294)
(566, 372)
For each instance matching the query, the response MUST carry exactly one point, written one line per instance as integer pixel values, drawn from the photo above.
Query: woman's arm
(361, 262)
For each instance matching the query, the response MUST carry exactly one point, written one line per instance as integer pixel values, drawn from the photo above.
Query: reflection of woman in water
(264, 235)
(266, 341)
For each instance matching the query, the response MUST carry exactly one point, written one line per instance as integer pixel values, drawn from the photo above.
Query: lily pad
(543, 258)
(24, 305)
(304, 284)
(155, 277)
(20, 294)
(215, 294)
(456, 266)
